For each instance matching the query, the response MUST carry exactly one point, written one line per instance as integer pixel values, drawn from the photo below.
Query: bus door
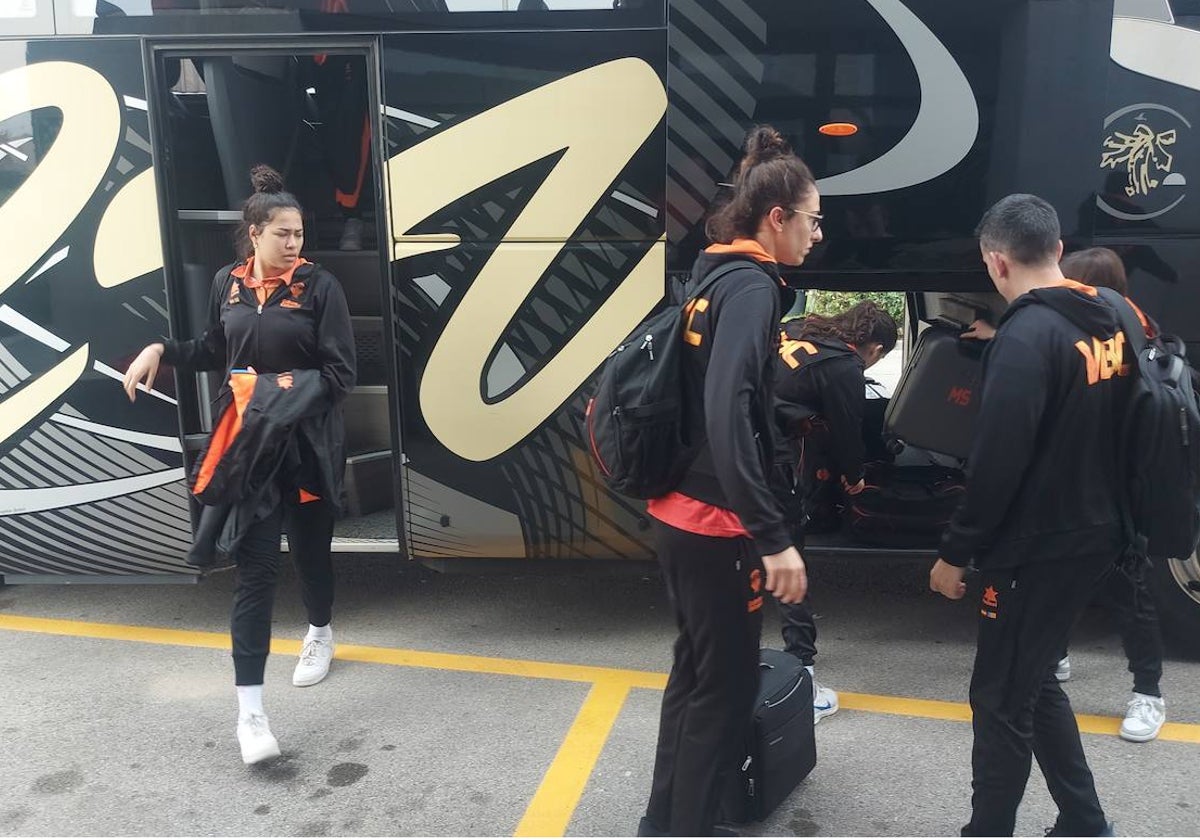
(311, 110)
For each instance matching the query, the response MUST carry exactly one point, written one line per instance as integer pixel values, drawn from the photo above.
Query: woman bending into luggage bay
(278, 324)
(721, 536)
(820, 396)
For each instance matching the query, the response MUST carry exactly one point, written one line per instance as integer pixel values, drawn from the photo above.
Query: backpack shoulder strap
(1135, 333)
(1135, 547)
(709, 281)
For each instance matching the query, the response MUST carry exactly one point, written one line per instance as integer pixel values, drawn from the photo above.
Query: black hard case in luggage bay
(781, 749)
(937, 400)
(903, 506)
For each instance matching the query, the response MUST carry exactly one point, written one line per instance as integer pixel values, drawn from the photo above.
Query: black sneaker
(1110, 830)
(648, 829)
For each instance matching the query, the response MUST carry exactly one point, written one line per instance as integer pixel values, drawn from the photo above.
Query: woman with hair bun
(275, 313)
(721, 535)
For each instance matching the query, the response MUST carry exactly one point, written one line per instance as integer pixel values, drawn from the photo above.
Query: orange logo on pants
(991, 598)
(756, 585)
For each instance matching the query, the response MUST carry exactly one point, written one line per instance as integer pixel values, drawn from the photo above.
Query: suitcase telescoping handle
(768, 704)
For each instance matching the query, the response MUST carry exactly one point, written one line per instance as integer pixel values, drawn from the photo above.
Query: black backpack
(1160, 443)
(636, 428)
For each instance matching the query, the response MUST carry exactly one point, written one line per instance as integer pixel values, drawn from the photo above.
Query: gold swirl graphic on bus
(126, 244)
(598, 118)
(45, 205)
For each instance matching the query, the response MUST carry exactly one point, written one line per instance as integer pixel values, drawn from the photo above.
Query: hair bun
(264, 179)
(764, 143)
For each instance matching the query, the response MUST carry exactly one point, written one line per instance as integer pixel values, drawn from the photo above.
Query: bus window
(169, 16)
(26, 17)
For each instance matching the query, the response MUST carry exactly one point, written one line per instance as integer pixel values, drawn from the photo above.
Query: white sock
(250, 700)
(325, 633)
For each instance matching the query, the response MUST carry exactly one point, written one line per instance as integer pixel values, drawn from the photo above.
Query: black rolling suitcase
(937, 399)
(781, 749)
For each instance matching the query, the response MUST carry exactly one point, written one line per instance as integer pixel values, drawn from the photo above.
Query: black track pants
(310, 530)
(1020, 710)
(716, 589)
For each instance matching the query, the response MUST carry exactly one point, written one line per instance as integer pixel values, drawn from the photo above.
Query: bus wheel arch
(1175, 584)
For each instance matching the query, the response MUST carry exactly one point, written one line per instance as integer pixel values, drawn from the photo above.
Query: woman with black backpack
(722, 538)
(820, 395)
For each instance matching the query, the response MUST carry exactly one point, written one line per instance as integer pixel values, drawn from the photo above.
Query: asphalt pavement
(513, 701)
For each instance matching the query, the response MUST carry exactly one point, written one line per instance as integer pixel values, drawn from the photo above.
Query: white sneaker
(1062, 671)
(825, 702)
(255, 738)
(352, 235)
(1144, 717)
(313, 666)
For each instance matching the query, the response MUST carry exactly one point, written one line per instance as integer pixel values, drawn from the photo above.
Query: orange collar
(748, 247)
(245, 273)
(1078, 287)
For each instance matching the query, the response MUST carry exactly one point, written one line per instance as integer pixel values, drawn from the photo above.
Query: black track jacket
(729, 368)
(823, 377)
(1042, 479)
(304, 325)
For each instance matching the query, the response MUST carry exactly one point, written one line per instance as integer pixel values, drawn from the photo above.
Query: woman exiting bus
(723, 528)
(274, 313)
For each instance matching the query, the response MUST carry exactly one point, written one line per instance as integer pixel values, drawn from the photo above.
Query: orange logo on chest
(1104, 359)
(288, 303)
(235, 293)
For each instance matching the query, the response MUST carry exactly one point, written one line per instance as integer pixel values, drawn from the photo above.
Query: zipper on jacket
(648, 345)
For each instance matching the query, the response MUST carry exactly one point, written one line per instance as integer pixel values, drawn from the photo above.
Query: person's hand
(786, 575)
(947, 580)
(143, 369)
(853, 489)
(980, 330)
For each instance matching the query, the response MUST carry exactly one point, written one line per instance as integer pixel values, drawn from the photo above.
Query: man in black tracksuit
(1041, 519)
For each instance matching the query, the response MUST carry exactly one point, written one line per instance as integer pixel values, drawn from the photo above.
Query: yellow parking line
(352, 653)
(562, 787)
(1188, 733)
(878, 703)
